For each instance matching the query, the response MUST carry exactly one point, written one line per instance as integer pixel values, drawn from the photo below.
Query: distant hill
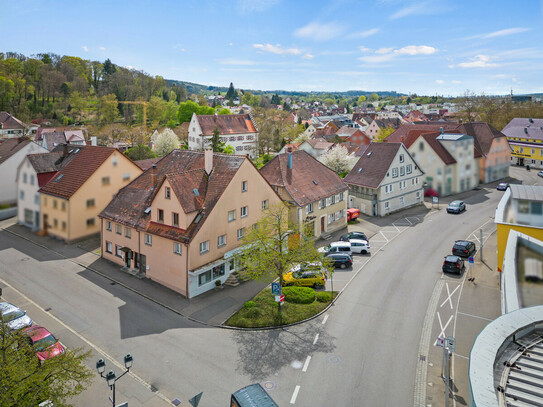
(200, 89)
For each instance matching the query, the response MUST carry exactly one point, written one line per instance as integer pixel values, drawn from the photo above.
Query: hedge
(299, 295)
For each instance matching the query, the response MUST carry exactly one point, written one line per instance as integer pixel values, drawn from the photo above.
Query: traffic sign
(440, 342)
(470, 259)
(451, 343)
(435, 200)
(282, 298)
(275, 289)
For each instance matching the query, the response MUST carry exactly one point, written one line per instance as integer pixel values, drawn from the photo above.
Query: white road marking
(325, 319)
(316, 339)
(449, 295)
(396, 227)
(462, 356)
(474, 316)
(383, 236)
(306, 364)
(408, 221)
(442, 333)
(294, 395)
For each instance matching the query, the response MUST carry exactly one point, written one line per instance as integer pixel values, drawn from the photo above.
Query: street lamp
(110, 376)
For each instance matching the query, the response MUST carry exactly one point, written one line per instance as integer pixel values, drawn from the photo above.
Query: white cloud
(422, 8)
(384, 50)
(507, 31)
(416, 50)
(102, 48)
(364, 34)
(479, 61)
(308, 56)
(440, 81)
(364, 49)
(386, 54)
(233, 61)
(85, 48)
(456, 82)
(374, 59)
(249, 6)
(231, 43)
(276, 49)
(319, 31)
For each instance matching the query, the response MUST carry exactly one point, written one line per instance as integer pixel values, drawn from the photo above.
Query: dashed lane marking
(325, 319)
(306, 364)
(295, 394)
(316, 339)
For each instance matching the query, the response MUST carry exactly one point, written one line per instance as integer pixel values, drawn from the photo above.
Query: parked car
(360, 246)
(430, 192)
(310, 275)
(464, 248)
(252, 396)
(453, 264)
(456, 207)
(341, 260)
(13, 317)
(540, 173)
(502, 186)
(352, 214)
(44, 342)
(354, 235)
(337, 247)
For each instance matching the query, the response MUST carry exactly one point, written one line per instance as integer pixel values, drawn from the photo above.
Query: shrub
(323, 296)
(299, 295)
(252, 313)
(249, 304)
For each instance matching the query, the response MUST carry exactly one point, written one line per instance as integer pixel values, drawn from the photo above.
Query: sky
(426, 47)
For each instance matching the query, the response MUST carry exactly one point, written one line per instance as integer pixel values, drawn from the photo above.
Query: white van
(337, 247)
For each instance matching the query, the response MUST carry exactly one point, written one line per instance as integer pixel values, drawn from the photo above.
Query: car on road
(340, 260)
(337, 247)
(44, 342)
(540, 173)
(464, 248)
(360, 246)
(354, 235)
(13, 317)
(456, 207)
(502, 186)
(453, 264)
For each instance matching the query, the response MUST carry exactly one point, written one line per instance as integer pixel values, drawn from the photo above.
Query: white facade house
(12, 153)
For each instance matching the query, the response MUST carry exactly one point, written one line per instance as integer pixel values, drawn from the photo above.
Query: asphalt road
(363, 351)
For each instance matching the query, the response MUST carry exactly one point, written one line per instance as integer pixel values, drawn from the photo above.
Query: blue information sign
(470, 259)
(275, 288)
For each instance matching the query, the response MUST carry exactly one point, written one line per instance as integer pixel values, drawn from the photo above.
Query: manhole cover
(269, 385)
(334, 359)
(422, 357)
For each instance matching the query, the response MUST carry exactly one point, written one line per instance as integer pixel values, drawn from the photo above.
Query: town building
(525, 136)
(384, 180)
(11, 127)
(316, 195)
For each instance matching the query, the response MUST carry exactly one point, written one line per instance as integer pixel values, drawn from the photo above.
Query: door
(45, 224)
(37, 220)
(322, 224)
(142, 263)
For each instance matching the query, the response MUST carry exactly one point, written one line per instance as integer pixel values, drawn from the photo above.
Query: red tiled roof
(148, 163)
(373, 164)
(483, 135)
(185, 184)
(405, 129)
(319, 143)
(226, 124)
(308, 181)
(7, 121)
(77, 171)
(11, 146)
(441, 151)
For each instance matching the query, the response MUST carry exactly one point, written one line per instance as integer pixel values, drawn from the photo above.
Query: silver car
(13, 317)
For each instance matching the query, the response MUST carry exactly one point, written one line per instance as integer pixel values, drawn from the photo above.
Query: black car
(463, 248)
(354, 235)
(502, 186)
(453, 264)
(340, 260)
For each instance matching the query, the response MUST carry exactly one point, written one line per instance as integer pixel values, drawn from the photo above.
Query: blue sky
(429, 47)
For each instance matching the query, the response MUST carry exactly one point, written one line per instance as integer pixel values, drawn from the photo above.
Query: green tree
(275, 100)
(186, 109)
(156, 110)
(228, 149)
(24, 381)
(216, 144)
(383, 133)
(78, 104)
(224, 110)
(108, 108)
(6, 92)
(361, 99)
(140, 152)
(232, 93)
(374, 97)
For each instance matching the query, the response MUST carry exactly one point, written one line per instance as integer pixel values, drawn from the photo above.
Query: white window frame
(204, 247)
(233, 217)
(409, 169)
(148, 239)
(241, 233)
(387, 205)
(244, 186)
(177, 248)
(128, 233)
(265, 204)
(109, 247)
(221, 241)
(309, 208)
(108, 225)
(395, 172)
(244, 211)
(119, 229)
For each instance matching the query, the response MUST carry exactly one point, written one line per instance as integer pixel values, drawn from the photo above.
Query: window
(24, 178)
(401, 200)
(177, 248)
(114, 161)
(387, 205)
(90, 203)
(161, 216)
(331, 217)
(221, 241)
(394, 172)
(265, 203)
(340, 197)
(536, 208)
(243, 186)
(421, 146)
(90, 222)
(108, 225)
(231, 216)
(37, 199)
(55, 223)
(167, 192)
(63, 226)
(118, 251)
(204, 278)
(127, 232)
(126, 176)
(322, 204)
(55, 204)
(175, 219)
(409, 168)
(118, 229)
(105, 181)
(204, 247)
(418, 194)
(402, 171)
(309, 208)
(109, 247)
(401, 158)
(148, 239)
(22, 195)
(241, 232)
(332, 199)
(63, 206)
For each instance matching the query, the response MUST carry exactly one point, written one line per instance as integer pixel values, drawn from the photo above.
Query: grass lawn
(264, 312)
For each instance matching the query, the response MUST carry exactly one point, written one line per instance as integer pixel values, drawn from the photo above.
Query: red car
(430, 192)
(352, 214)
(43, 342)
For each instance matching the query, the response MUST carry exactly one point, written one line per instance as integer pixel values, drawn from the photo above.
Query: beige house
(181, 221)
(316, 195)
(75, 195)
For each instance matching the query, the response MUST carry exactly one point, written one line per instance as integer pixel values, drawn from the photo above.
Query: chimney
(208, 161)
(153, 176)
(65, 150)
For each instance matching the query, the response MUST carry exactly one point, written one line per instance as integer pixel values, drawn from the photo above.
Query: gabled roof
(308, 181)
(226, 124)
(53, 161)
(433, 140)
(483, 135)
(400, 134)
(53, 139)
(319, 143)
(80, 168)
(148, 163)
(129, 206)
(11, 146)
(7, 121)
(373, 165)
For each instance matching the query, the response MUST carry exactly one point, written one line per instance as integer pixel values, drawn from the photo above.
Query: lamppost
(110, 376)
